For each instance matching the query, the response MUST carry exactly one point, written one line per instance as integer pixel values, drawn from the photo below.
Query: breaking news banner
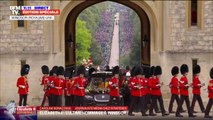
(13, 112)
(33, 13)
(88, 110)
(81, 113)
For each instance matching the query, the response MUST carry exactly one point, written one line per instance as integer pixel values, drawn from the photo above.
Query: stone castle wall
(192, 39)
(32, 38)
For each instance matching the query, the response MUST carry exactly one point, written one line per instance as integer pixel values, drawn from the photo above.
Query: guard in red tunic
(58, 86)
(174, 86)
(52, 77)
(114, 87)
(22, 84)
(144, 90)
(79, 84)
(157, 96)
(196, 85)
(136, 92)
(150, 93)
(45, 83)
(210, 90)
(184, 96)
(131, 78)
(67, 94)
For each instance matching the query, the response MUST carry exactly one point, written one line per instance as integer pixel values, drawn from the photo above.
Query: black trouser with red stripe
(44, 99)
(173, 98)
(198, 98)
(182, 99)
(22, 98)
(154, 103)
(137, 100)
(78, 100)
(208, 107)
(56, 100)
(149, 99)
(69, 100)
(134, 101)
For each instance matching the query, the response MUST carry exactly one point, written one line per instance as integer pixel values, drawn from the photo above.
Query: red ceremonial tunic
(59, 85)
(149, 82)
(45, 81)
(79, 83)
(196, 85)
(22, 85)
(174, 86)
(51, 80)
(114, 91)
(210, 89)
(135, 91)
(183, 88)
(156, 89)
(69, 87)
(144, 86)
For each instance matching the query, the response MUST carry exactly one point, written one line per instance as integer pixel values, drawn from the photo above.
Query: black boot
(207, 116)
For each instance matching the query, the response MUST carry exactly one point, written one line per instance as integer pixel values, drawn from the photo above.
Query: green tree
(92, 17)
(135, 53)
(83, 41)
(95, 51)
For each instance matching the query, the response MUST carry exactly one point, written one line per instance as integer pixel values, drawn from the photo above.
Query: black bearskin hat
(115, 70)
(51, 73)
(45, 69)
(127, 67)
(138, 70)
(157, 70)
(132, 72)
(175, 70)
(146, 71)
(211, 73)
(60, 71)
(81, 70)
(54, 70)
(151, 71)
(184, 69)
(91, 70)
(67, 73)
(25, 70)
(196, 69)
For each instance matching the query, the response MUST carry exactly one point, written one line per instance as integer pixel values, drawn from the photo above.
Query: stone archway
(70, 13)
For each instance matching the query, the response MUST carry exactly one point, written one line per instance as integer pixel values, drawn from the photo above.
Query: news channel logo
(32, 13)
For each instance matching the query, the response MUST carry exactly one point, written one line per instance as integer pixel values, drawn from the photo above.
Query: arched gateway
(72, 9)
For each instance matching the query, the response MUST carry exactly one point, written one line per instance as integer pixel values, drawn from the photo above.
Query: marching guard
(196, 85)
(150, 93)
(58, 86)
(79, 84)
(45, 83)
(22, 84)
(210, 90)
(144, 89)
(136, 93)
(52, 77)
(184, 95)
(68, 85)
(174, 86)
(157, 96)
(114, 87)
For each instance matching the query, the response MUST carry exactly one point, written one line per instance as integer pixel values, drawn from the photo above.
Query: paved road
(114, 56)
